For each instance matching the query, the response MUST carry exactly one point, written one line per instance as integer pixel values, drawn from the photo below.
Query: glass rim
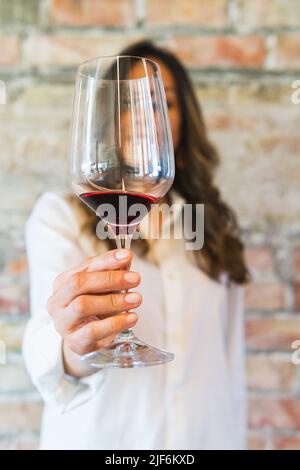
(99, 58)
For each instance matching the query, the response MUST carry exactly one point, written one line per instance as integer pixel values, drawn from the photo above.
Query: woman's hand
(87, 308)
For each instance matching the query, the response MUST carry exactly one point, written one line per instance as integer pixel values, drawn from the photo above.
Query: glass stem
(123, 240)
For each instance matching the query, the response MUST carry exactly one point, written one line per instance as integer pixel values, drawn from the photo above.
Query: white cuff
(42, 350)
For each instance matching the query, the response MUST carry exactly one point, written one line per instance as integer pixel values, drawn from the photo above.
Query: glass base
(127, 351)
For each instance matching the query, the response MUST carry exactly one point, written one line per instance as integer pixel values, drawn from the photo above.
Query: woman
(189, 305)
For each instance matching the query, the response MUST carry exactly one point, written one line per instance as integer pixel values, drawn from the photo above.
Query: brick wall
(242, 56)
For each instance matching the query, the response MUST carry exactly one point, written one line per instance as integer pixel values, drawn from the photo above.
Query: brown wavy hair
(223, 249)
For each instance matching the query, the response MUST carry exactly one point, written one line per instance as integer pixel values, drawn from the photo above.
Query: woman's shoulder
(51, 201)
(61, 216)
(56, 210)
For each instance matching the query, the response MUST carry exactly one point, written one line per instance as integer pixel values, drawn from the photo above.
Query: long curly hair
(196, 160)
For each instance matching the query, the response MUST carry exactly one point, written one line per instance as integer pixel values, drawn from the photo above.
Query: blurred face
(171, 95)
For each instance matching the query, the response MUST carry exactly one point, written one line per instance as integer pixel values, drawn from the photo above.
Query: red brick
(13, 298)
(297, 264)
(220, 51)
(259, 260)
(268, 13)
(208, 13)
(288, 47)
(218, 121)
(286, 442)
(297, 293)
(272, 333)
(256, 441)
(214, 100)
(20, 417)
(62, 49)
(10, 50)
(24, 441)
(91, 12)
(274, 413)
(17, 266)
(282, 143)
(270, 373)
(30, 443)
(266, 296)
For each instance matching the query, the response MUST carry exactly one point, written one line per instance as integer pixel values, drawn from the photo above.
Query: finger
(106, 342)
(86, 339)
(81, 283)
(86, 306)
(111, 260)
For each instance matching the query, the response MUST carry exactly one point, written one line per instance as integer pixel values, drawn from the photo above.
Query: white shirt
(197, 401)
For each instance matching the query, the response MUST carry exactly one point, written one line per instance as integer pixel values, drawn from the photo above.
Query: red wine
(122, 202)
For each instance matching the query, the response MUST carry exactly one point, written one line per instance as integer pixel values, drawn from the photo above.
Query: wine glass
(121, 162)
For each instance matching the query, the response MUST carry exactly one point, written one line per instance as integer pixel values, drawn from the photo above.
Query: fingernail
(132, 298)
(121, 254)
(131, 317)
(131, 277)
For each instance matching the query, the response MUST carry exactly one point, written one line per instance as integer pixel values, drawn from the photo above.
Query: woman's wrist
(73, 366)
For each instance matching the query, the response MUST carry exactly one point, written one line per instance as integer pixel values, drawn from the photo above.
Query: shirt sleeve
(52, 233)
(236, 359)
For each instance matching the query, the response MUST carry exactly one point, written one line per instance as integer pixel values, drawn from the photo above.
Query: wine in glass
(121, 162)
